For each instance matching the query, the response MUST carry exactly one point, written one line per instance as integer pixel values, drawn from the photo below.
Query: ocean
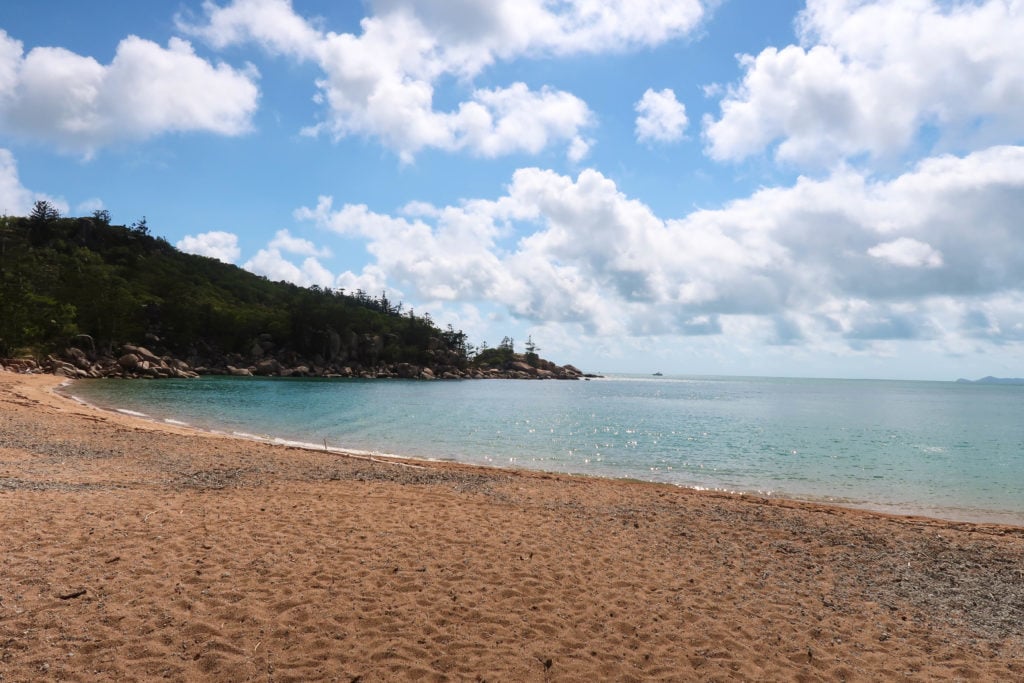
(941, 449)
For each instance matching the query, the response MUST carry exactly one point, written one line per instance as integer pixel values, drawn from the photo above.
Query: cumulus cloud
(274, 266)
(381, 82)
(907, 252)
(15, 198)
(217, 244)
(846, 258)
(270, 261)
(999, 319)
(285, 241)
(869, 76)
(506, 28)
(463, 36)
(80, 105)
(371, 279)
(442, 263)
(662, 118)
(505, 120)
(272, 23)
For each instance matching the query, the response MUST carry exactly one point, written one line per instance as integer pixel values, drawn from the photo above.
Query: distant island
(84, 298)
(992, 380)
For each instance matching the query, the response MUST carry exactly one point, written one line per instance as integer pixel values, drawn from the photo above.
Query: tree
(532, 351)
(140, 227)
(41, 222)
(495, 357)
(43, 212)
(455, 341)
(62, 277)
(101, 216)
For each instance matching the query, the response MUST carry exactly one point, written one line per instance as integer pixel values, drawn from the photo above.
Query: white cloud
(88, 206)
(841, 262)
(10, 60)
(505, 120)
(381, 82)
(907, 252)
(222, 246)
(462, 36)
(80, 105)
(272, 23)
(371, 279)
(511, 27)
(493, 123)
(443, 264)
(285, 241)
(870, 75)
(391, 97)
(579, 148)
(274, 266)
(15, 198)
(999, 318)
(661, 117)
(413, 208)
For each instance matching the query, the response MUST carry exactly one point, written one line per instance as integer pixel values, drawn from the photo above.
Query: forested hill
(115, 300)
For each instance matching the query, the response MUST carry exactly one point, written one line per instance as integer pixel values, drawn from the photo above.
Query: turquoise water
(948, 450)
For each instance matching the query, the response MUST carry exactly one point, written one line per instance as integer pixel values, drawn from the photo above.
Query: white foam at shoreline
(324, 447)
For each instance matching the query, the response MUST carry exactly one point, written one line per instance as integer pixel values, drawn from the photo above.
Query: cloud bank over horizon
(842, 258)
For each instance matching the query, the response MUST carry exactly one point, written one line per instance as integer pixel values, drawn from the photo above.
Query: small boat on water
(657, 374)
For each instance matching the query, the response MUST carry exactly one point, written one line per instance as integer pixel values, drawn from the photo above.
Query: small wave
(298, 444)
(247, 435)
(340, 450)
(133, 413)
(176, 422)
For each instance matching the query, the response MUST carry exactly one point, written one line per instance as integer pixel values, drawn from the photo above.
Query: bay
(948, 450)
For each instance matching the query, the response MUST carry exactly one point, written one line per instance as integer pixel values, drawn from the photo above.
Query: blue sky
(830, 188)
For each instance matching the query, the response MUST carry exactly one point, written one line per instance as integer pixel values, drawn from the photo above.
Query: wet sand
(133, 550)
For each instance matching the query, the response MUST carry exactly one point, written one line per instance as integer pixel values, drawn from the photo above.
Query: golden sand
(136, 551)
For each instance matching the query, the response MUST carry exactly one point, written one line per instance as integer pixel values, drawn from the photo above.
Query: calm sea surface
(948, 450)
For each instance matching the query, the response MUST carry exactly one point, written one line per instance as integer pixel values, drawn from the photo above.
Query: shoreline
(141, 550)
(956, 515)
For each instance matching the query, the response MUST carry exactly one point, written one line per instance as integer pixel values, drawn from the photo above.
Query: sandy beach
(137, 551)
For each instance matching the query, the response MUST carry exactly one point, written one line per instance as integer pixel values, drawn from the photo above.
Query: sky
(715, 187)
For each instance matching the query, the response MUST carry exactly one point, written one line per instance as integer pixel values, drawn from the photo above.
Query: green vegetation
(64, 277)
(499, 356)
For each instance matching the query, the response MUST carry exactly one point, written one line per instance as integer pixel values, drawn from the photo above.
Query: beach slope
(133, 550)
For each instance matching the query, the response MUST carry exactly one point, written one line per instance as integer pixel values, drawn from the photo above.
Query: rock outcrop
(266, 360)
(134, 362)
